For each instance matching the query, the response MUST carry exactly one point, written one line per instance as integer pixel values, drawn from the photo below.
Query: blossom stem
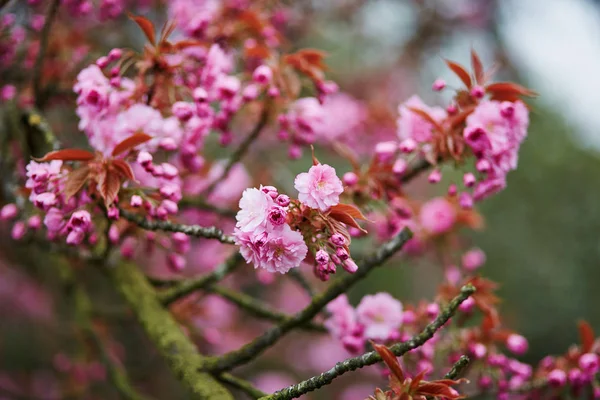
(373, 357)
(239, 153)
(257, 308)
(208, 232)
(336, 288)
(39, 61)
(188, 286)
(242, 385)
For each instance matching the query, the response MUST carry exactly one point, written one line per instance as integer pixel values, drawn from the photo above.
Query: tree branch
(458, 368)
(170, 341)
(415, 169)
(257, 308)
(373, 357)
(241, 150)
(339, 286)
(210, 232)
(186, 287)
(39, 61)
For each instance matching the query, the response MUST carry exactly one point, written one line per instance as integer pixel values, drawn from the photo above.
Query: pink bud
(477, 91)
(294, 152)
(467, 305)
(54, 220)
(250, 92)
(438, 85)
(352, 343)
(517, 344)
(283, 200)
(350, 266)
(451, 109)
(465, 201)
(262, 75)
(435, 176)
(181, 242)
(452, 190)
(338, 239)
(350, 179)
(80, 220)
(589, 363)
(128, 247)
(342, 253)
(167, 144)
(200, 95)
(18, 230)
(283, 135)
(469, 179)
(322, 257)
(473, 259)
(483, 165)
(478, 350)
(574, 377)
(114, 234)
(34, 222)
(102, 62)
(384, 151)
(136, 201)
(433, 310)
(169, 171)
(176, 262)
(400, 166)
(408, 145)
(113, 213)
(9, 212)
(497, 360)
(182, 110)
(485, 382)
(144, 159)
(273, 92)
(115, 54)
(557, 378)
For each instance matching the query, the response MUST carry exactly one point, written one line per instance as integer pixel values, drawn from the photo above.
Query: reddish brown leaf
(586, 336)
(509, 88)
(109, 185)
(390, 360)
(425, 115)
(129, 143)
(437, 389)
(346, 219)
(416, 381)
(123, 169)
(461, 72)
(146, 25)
(67, 155)
(477, 66)
(75, 181)
(350, 210)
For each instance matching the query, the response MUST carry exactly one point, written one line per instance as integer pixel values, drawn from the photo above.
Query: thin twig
(39, 61)
(415, 169)
(339, 286)
(186, 287)
(242, 385)
(208, 232)
(258, 308)
(373, 357)
(239, 153)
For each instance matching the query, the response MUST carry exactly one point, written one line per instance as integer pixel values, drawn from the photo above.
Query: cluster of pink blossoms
(277, 233)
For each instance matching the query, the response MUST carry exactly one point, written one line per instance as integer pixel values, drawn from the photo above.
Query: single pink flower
(319, 188)
(254, 208)
(380, 314)
(437, 216)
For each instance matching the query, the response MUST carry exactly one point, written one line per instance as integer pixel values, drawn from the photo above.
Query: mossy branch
(170, 341)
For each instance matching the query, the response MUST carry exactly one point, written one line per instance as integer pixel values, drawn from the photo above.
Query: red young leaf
(109, 185)
(477, 67)
(67, 155)
(146, 25)
(461, 72)
(129, 143)
(123, 169)
(425, 115)
(390, 360)
(509, 88)
(437, 389)
(75, 181)
(346, 219)
(586, 336)
(416, 381)
(350, 210)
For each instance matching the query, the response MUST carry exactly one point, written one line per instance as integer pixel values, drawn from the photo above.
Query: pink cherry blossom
(254, 207)
(381, 315)
(437, 216)
(319, 188)
(412, 125)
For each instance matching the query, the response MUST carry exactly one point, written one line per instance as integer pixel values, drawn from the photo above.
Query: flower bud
(8, 212)
(350, 266)
(262, 75)
(322, 257)
(517, 344)
(338, 239)
(18, 230)
(438, 85)
(557, 378)
(350, 179)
